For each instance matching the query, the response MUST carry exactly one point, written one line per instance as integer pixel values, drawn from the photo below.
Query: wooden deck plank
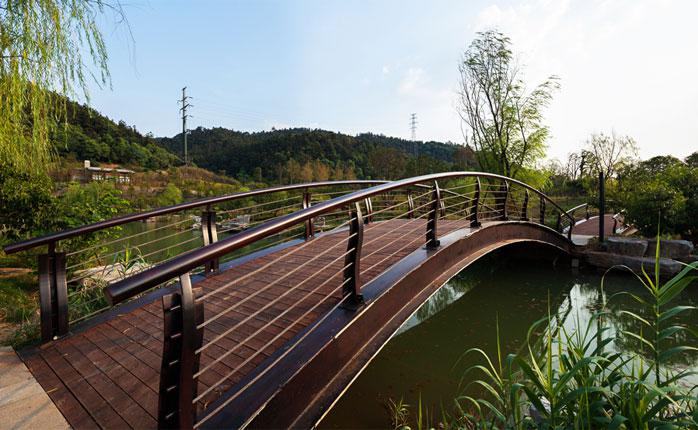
(108, 375)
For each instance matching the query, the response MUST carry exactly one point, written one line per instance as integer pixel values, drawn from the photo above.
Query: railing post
(587, 212)
(209, 232)
(309, 228)
(410, 205)
(178, 388)
(615, 225)
(602, 207)
(542, 210)
(352, 261)
(433, 220)
(53, 293)
(524, 208)
(503, 215)
(572, 223)
(369, 210)
(558, 225)
(474, 215)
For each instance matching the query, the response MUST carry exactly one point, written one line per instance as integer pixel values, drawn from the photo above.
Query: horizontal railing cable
(259, 311)
(258, 270)
(265, 288)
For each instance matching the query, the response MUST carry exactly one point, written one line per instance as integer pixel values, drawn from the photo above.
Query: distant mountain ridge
(270, 152)
(275, 156)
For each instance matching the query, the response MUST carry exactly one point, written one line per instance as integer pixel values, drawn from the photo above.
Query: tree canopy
(502, 119)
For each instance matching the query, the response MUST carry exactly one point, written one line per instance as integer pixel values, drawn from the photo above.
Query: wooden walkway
(590, 227)
(107, 375)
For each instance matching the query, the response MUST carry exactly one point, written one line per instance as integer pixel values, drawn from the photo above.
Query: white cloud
(386, 69)
(623, 64)
(412, 81)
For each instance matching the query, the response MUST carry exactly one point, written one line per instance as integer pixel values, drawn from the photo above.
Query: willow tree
(501, 119)
(48, 48)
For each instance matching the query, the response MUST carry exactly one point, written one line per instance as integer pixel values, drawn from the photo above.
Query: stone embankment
(638, 253)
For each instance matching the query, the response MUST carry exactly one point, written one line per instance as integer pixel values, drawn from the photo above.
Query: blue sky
(354, 66)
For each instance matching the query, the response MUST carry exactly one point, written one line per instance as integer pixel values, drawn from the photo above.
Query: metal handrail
(138, 283)
(139, 216)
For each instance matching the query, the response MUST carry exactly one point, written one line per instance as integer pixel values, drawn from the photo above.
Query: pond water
(425, 357)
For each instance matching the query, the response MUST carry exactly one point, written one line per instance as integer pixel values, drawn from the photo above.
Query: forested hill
(293, 155)
(89, 135)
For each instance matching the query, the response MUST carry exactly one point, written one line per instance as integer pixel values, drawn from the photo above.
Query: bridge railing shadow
(198, 369)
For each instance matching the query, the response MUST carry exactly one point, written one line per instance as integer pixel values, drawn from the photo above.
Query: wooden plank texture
(107, 375)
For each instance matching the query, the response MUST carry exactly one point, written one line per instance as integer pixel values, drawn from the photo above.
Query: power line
(183, 109)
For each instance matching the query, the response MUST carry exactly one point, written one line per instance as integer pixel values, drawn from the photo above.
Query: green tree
(25, 202)
(607, 153)
(692, 160)
(502, 119)
(45, 48)
(659, 193)
(171, 195)
(387, 163)
(88, 203)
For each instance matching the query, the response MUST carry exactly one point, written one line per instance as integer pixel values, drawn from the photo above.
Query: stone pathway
(23, 403)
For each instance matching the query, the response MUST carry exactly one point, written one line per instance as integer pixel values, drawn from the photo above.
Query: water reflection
(425, 357)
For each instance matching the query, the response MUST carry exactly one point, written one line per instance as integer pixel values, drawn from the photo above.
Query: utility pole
(183, 109)
(602, 206)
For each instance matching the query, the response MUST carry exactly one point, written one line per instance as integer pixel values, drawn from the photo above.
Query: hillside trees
(292, 155)
(501, 118)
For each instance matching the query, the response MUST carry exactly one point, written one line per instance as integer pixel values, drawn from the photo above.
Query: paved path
(23, 403)
(107, 375)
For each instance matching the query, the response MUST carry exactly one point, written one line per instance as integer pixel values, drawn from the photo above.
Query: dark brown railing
(80, 261)
(421, 204)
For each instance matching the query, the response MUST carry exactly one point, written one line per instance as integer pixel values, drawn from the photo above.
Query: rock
(605, 260)
(101, 275)
(676, 249)
(626, 246)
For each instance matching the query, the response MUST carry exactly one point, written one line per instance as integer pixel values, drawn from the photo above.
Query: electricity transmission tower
(413, 128)
(183, 109)
(413, 125)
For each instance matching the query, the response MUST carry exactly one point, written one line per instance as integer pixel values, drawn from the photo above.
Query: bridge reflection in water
(424, 361)
(270, 338)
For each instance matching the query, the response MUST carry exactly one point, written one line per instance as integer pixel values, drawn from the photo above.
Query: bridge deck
(107, 375)
(591, 226)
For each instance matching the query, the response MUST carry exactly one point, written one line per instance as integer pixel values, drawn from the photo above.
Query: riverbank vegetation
(576, 377)
(660, 193)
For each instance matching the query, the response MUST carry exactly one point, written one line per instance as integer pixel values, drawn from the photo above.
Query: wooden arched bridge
(258, 308)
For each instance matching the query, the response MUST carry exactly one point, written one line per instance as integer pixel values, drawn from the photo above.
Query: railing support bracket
(433, 220)
(475, 214)
(309, 227)
(53, 293)
(209, 232)
(180, 362)
(352, 261)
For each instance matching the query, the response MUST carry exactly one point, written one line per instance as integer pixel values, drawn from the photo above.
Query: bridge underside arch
(306, 381)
